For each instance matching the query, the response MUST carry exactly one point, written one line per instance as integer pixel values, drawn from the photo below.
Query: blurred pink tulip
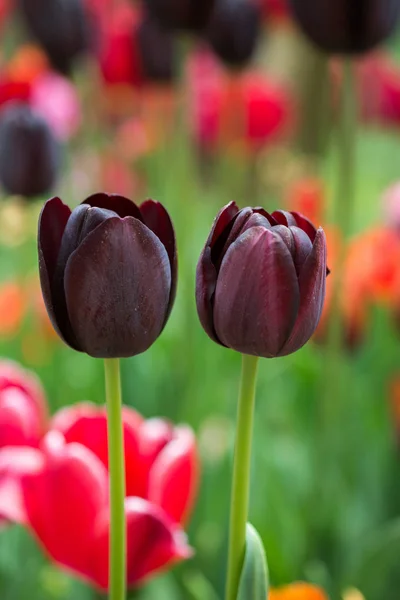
(56, 100)
(23, 421)
(23, 412)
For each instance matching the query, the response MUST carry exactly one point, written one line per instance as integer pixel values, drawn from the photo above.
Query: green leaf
(254, 582)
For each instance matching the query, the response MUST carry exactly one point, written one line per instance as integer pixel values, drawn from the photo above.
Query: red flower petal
(153, 543)
(16, 463)
(86, 424)
(63, 500)
(174, 476)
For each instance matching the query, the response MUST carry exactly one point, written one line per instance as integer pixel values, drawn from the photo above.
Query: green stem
(241, 475)
(116, 461)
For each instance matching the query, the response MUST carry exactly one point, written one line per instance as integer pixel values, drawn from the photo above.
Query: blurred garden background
(248, 111)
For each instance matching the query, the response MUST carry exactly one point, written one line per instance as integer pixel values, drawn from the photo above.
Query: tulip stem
(241, 475)
(116, 461)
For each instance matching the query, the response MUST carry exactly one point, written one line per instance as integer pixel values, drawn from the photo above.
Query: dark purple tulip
(29, 152)
(233, 30)
(190, 15)
(156, 47)
(347, 26)
(108, 273)
(261, 281)
(61, 27)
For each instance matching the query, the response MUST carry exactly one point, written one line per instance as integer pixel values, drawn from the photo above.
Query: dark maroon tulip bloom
(347, 26)
(261, 281)
(190, 15)
(233, 30)
(61, 27)
(108, 273)
(29, 152)
(156, 47)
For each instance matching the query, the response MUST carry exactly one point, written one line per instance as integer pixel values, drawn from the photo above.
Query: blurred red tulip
(161, 460)
(119, 54)
(67, 497)
(275, 10)
(379, 90)
(250, 110)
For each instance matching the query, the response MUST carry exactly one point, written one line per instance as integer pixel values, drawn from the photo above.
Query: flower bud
(233, 30)
(29, 152)
(261, 281)
(347, 26)
(191, 15)
(108, 273)
(61, 27)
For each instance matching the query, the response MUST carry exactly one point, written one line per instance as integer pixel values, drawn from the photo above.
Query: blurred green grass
(325, 480)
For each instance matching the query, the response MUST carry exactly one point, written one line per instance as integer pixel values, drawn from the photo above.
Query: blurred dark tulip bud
(108, 273)
(61, 27)
(156, 50)
(29, 152)
(260, 281)
(191, 15)
(347, 26)
(233, 30)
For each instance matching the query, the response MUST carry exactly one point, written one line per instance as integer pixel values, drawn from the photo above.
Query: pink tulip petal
(15, 463)
(174, 476)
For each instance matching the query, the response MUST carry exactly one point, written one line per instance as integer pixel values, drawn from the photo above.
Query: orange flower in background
(307, 196)
(28, 63)
(298, 591)
(13, 305)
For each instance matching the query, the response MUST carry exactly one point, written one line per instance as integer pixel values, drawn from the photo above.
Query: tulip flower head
(108, 273)
(29, 152)
(261, 281)
(298, 591)
(61, 27)
(233, 30)
(347, 26)
(190, 15)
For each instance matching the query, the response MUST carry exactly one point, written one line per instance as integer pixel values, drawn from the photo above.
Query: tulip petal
(117, 286)
(257, 294)
(15, 463)
(154, 435)
(302, 247)
(284, 217)
(14, 378)
(20, 422)
(221, 222)
(52, 222)
(206, 273)
(312, 279)
(158, 221)
(306, 225)
(154, 543)
(173, 481)
(86, 424)
(62, 502)
(119, 204)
